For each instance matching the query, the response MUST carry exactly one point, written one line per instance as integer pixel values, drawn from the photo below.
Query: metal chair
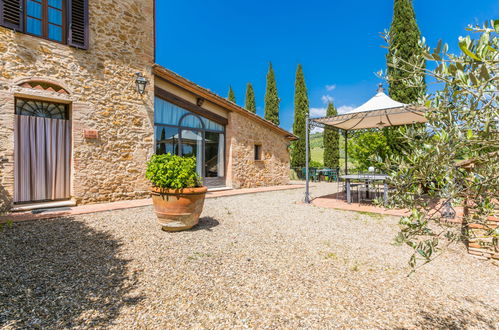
(331, 174)
(368, 191)
(327, 174)
(342, 187)
(312, 172)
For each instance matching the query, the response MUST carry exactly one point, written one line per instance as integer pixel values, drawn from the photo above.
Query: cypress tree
(249, 103)
(231, 97)
(403, 42)
(271, 108)
(301, 111)
(331, 140)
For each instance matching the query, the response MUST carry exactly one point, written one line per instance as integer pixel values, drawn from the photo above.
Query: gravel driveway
(261, 260)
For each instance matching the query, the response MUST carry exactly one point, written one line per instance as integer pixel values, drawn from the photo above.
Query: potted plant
(177, 191)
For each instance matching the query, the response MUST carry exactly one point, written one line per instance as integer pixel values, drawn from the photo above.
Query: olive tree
(462, 124)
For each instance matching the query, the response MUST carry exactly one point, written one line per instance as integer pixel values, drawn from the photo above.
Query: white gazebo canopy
(380, 111)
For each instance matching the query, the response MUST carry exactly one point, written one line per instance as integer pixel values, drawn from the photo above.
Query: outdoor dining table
(366, 178)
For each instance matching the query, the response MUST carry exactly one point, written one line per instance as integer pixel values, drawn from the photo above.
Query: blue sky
(222, 43)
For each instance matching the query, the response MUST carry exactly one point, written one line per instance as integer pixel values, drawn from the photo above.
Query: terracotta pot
(178, 209)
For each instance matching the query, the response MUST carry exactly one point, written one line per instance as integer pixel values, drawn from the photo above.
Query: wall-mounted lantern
(141, 83)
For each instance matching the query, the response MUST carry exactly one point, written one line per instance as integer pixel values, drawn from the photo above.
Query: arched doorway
(42, 151)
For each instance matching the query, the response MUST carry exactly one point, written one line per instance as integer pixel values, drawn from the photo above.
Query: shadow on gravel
(61, 273)
(4, 198)
(206, 223)
(458, 319)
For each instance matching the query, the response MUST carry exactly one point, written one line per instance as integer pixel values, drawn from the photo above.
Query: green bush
(172, 172)
(314, 163)
(368, 148)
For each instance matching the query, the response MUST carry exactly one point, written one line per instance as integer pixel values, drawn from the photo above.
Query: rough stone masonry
(100, 83)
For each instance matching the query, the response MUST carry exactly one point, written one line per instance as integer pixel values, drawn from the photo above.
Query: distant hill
(316, 140)
(317, 147)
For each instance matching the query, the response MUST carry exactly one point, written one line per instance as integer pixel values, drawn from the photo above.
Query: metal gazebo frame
(380, 106)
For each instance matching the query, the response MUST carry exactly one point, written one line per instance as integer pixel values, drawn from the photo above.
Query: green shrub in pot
(177, 192)
(173, 172)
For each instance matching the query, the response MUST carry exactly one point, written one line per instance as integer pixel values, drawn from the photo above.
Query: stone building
(75, 127)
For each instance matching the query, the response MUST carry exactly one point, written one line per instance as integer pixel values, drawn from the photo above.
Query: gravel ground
(259, 261)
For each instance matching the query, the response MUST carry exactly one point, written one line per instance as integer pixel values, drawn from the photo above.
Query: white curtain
(221, 155)
(42, 159)
(199, 153)
(167, 113)
(170, 114)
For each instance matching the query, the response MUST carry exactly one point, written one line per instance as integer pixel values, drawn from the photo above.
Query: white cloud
(330, 88)
(327, 99)
(317, 130)
(321, 112)
(345, 109)
(317, 112)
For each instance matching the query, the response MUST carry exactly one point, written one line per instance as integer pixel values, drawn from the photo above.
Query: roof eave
(186, 84)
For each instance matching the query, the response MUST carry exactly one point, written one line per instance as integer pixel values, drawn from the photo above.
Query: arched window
(179, 131)
(190, 120)
(37, 108)
(166, 113)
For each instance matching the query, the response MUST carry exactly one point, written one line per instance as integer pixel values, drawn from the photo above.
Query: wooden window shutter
(78, 24)
(11, 14)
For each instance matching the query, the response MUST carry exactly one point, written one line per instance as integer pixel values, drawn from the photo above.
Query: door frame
(69, 113)
(180, 128)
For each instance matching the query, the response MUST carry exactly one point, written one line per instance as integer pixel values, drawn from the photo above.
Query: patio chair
(334, 174)
(323, 174)
(330, 174)
(342, 188)
(369, 190)
(312, 172)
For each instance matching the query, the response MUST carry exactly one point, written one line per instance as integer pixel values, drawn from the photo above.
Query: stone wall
(481, 243)
(101, 93)
(243, 170)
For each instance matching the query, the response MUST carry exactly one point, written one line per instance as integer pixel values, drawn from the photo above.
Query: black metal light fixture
(381, 123)
(141, 83)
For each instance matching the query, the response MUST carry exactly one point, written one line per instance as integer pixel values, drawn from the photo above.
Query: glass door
(214, 155)
(191, 145)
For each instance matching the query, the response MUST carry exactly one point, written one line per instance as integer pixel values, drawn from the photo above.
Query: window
(182, 132)
(25, 107)
(64, 21)
(167, 113)
(258, 152)
(44, 19)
